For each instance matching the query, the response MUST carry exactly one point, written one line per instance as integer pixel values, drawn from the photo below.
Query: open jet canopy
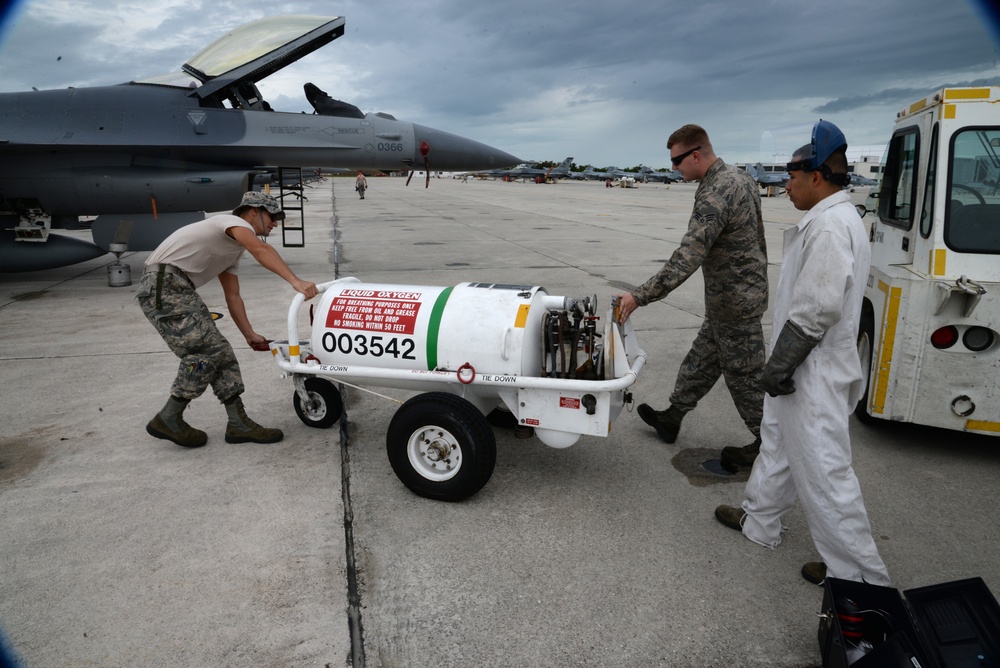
(188, 142)
(252, 52)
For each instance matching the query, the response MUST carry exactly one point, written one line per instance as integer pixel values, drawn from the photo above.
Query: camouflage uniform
(725, 237)
(185, 323)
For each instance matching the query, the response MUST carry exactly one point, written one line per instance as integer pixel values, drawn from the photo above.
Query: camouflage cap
(257, 199)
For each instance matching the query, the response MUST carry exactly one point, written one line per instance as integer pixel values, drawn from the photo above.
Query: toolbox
(941, 626)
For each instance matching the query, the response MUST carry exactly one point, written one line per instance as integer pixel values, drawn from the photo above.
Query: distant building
(870, 167)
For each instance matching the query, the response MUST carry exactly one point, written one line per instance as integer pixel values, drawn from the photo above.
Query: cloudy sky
(604, 82)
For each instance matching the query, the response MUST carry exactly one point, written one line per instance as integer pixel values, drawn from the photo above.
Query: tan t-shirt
(202, 250)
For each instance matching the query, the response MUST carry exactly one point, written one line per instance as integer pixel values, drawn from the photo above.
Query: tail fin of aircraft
(562, 169)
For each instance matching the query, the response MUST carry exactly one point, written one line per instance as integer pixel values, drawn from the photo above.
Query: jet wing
(256, 50)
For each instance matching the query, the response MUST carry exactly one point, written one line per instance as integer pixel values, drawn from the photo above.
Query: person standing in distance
(183, 262)
(360, 183)
(813, 377)
(725, 237)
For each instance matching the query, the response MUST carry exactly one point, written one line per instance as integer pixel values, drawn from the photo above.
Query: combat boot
(169, 424)
(666, 423)
(731, 517)
(242, 429)
(733, 457)
(814, 572)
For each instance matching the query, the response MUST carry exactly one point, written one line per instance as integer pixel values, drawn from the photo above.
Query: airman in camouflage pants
(184, 261)
(725, 239)
(184, 322)
(733, 350)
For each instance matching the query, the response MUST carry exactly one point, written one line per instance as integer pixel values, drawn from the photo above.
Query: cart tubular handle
(293, 318)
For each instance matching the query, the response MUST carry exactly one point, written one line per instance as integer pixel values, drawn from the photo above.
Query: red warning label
(373, 313)
(569, 402)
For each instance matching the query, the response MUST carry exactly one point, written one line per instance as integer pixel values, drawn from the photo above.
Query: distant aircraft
(858, 180)
(615, 173)
(767, 179)
(597, 175)
(151, 155)
(586, 174)
(529, 171)
(647, 174)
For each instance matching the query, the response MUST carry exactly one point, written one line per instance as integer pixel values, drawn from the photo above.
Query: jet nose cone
(448, 152)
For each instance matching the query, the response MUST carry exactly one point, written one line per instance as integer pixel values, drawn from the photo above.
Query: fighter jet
(858, 180)
(615, 173)
(592, 174)
(152, 151)
(647, 174)
(586, 175)
(767, 179)
(529, 171)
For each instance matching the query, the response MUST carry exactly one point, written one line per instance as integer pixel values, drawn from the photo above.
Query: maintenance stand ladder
(288, 225)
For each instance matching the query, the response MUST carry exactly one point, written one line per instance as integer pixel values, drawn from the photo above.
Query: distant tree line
(580, 168)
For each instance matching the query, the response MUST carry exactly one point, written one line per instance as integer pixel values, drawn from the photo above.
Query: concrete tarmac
(119, 549)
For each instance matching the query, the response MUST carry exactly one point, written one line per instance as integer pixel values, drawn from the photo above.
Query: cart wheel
(325, 405)
(441, 447)
(866, 339)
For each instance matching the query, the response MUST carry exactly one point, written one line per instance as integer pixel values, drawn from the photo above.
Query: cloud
(596, 80)
(898, 96)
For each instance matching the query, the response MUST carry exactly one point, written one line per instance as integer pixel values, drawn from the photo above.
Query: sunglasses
(678, 159)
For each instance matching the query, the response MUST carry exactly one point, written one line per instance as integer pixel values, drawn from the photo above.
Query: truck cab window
(972, 217)
(899, 184)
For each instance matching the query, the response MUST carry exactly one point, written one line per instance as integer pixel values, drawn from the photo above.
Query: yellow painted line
(967, 94)
(982, 425)
(917, 106)
(890, 309)
(949, 111)
(522, 315)
(293, 351)
(939, 260)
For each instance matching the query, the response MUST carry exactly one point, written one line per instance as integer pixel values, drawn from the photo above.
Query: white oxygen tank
(494, 328)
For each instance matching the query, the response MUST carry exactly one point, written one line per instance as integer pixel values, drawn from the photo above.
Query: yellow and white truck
(929, 336)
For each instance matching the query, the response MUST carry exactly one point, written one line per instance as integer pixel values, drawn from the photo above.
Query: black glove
(790, 350)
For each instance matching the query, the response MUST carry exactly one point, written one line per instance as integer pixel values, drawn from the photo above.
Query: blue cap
(826, 140)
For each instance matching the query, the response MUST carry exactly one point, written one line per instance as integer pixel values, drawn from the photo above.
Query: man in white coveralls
(813, 377)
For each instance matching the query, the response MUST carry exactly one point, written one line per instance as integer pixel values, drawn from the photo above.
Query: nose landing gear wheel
(324, 407)
(441, 447)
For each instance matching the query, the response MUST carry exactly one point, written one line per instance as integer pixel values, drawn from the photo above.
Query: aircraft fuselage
(128, 148)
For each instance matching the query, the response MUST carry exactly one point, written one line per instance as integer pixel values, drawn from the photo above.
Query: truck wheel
(866, 339)
(441, 447)
(325, 405)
